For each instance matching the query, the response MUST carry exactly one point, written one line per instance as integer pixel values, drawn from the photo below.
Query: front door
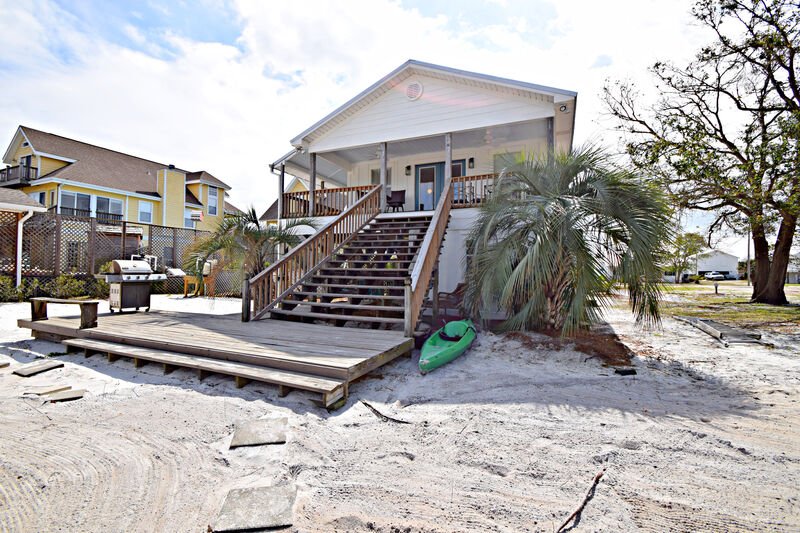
(430, 182)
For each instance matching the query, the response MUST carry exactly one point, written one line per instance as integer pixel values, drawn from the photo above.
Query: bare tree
(723, 136)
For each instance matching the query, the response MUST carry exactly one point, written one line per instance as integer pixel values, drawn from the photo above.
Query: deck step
(331, 389)
(346, 318)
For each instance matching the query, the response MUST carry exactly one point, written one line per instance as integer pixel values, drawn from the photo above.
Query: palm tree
(557, 233)
(242, 242)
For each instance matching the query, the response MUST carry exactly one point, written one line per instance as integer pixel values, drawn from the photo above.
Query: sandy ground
(507, 438)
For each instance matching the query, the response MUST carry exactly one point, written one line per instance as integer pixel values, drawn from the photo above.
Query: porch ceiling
(492, 136)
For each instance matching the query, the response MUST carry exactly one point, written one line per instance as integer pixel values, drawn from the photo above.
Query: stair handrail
(418, 282)
(269, 286)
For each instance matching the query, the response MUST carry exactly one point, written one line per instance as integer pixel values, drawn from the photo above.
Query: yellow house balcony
(18, 173)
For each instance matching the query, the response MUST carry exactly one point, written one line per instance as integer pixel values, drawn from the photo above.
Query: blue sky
(223, 85)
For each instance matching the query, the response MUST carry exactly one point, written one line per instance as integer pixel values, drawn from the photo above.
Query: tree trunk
(771, 292)
(761, 260)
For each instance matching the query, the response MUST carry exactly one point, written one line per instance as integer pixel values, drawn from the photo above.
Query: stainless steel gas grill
(129, 284)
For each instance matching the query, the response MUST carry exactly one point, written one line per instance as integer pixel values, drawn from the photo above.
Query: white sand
(703, 438)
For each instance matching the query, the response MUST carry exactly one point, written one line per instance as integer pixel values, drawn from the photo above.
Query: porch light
(408, 170)
(471, 162)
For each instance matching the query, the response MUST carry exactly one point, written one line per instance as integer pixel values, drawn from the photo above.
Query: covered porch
(412, 171)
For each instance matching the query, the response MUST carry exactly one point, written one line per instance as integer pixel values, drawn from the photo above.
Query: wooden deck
(292, 355)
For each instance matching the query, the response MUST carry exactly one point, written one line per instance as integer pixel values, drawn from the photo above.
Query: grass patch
(733, 309)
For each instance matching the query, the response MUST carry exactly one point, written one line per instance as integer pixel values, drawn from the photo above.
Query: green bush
(65, 286)
(30, 288)
(8, 292)
(97, 288)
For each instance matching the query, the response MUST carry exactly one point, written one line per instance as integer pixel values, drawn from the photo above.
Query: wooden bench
(88, 309)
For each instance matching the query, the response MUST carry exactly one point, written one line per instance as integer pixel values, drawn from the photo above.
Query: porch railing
(18, 172)
(472, 191)
(266, 289)
(327, 202)
(417, 284)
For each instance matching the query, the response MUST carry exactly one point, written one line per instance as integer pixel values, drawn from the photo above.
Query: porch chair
(396, 200)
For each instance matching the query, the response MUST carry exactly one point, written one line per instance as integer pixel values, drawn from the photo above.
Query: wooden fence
(54, 244)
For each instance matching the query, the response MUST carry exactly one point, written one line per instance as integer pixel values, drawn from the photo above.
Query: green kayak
(446, 344)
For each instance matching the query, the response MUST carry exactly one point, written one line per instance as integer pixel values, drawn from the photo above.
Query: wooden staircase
(363, 282)
(363, 267)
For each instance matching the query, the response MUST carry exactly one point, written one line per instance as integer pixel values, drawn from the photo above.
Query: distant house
(793, 272)
(716, 261)
(231, 210)
(75, 178)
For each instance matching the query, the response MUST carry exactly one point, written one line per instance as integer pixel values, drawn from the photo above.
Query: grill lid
(123, 266)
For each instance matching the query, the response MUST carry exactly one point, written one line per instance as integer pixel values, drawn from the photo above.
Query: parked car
(715, 276)
(732, 275)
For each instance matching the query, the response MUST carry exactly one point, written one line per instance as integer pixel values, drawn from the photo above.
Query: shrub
(8, 292)
(66, 286)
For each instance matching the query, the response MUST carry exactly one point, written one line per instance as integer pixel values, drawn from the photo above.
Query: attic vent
(414, 90)
(26, 143)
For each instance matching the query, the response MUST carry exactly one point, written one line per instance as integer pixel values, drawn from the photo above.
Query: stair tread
(255, 372)
(349, 286)
(348, 318)
(345, 276)
(347, 295)
(341, 305)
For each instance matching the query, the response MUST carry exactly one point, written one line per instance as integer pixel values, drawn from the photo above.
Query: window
(213, 196)
(145, 211)
(375, 176)
(38, 196)
(108, 208)
(187, 219)
(52, 199)
(76, 204)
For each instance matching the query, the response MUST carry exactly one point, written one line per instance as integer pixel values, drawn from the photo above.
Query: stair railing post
(408, 320)
(246, 299)
(436, 293)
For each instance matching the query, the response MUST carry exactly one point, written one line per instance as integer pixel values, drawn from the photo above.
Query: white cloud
(210, 106)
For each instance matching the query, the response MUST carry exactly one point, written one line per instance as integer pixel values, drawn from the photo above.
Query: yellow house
(79, 179)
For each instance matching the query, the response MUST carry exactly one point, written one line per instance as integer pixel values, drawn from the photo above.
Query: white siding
(444, 106)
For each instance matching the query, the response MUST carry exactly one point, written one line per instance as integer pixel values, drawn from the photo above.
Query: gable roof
(204, 177)
(231, 209)
(271, 213)
(411, 67)
(16, 200)
(95, 165)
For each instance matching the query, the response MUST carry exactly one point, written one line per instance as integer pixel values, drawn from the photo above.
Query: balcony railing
(72, 212)
(101, 216)
(472, 191)
(468, 191)
(23, 173)
(327, 202)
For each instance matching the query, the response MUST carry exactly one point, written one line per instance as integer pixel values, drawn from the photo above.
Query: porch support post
(448, 156)
(281, 184)
(312, 184)
(384, 173)
(551, 142)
